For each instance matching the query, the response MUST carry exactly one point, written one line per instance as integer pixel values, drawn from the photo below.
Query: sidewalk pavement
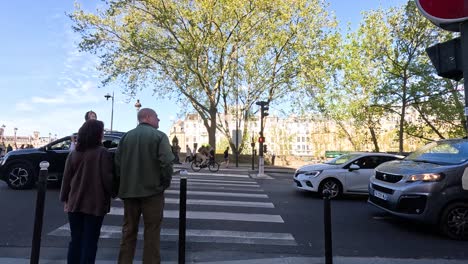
(287, 260)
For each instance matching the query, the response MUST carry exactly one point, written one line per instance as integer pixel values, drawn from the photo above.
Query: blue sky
(47, 85)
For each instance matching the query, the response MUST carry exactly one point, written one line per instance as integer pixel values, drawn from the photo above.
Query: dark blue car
(20, 168)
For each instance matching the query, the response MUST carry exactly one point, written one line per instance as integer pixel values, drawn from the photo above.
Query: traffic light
(263, 108)
(261, 139)
(447, 59)
(265, 149)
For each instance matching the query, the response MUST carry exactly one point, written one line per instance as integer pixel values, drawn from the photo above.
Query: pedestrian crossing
(225, 208)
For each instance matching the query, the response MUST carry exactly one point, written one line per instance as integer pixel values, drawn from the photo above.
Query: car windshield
(442, 152)
(342, 159)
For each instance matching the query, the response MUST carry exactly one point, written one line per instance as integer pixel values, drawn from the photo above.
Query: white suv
(349, 173)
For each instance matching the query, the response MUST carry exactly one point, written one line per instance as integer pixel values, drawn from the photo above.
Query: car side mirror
(354, 167)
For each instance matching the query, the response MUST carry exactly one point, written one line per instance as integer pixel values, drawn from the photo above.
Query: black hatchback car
(20, 168)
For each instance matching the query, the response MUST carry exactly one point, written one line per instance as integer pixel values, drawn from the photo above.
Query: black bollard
(327, 227)
(41, 192)
(182, 215)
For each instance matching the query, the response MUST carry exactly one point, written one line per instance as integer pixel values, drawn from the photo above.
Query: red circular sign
(446, 14)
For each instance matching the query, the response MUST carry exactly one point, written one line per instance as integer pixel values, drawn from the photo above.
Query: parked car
(347, 173)
(430, 185)
(20, 168)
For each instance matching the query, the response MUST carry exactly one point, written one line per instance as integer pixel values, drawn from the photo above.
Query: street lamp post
(107, 96)
(3, 133)
(15, 129)
(137, 106)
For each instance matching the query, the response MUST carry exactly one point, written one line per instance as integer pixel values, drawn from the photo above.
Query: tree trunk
(402, 117)
(211, 129)
(374, 139)
(350, 138)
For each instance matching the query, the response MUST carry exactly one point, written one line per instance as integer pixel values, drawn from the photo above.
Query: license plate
(380, 195)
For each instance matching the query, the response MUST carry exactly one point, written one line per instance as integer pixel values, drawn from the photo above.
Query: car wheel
(454, 221)
(20, 176)
(332, 185)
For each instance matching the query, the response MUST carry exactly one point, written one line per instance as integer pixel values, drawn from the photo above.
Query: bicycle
(212, 165)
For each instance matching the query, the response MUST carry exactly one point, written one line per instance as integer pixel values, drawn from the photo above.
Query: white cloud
(24, 106)
(50, 100)
(88, 85)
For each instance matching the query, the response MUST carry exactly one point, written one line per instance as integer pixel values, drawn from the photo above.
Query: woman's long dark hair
(90, 135)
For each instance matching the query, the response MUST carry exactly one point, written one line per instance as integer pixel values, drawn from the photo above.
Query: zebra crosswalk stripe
(267, 218)
(219, 175)
(219, 203)
(198, 235)
(176, 179)
(251, 195)
(220, 184)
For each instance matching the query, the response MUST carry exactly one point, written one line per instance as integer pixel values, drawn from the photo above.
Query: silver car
(429, 185)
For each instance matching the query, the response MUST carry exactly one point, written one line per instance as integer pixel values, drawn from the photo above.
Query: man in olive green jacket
(143, 168)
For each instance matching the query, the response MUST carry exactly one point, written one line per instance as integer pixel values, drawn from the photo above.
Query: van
(429, 185)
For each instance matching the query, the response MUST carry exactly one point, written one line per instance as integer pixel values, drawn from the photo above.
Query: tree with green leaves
(383, 70)
(410, 78)
(209, 54)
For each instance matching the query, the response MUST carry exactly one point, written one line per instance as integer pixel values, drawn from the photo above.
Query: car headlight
(312, 173)
(425, 177)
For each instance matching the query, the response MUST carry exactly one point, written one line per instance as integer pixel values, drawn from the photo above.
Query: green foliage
(220, 57)
(210, 54)
(382, 71)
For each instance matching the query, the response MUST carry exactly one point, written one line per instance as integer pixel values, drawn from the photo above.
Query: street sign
(239, 136)
(446, 14)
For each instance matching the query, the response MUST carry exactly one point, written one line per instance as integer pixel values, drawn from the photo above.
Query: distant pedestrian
(226, 157)
(9, 148)
(88, 115)
(86, 191)
(188, 154)
(143, 164)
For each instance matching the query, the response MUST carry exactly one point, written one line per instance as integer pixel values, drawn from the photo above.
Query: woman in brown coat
(86, 191)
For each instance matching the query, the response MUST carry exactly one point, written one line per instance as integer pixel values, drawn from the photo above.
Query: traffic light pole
(464, 46)
(261, 161)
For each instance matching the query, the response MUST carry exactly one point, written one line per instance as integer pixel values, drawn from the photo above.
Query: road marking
(223, 203)
(222, 181)
(267, 218)
(217, 188)
(219, 175)
(252, 195)
(198, 235)
(220, 184)
(219, 202)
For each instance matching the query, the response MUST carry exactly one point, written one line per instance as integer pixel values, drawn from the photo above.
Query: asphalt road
(234, 217)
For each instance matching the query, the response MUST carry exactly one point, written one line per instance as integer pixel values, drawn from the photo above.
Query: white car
(349, 173)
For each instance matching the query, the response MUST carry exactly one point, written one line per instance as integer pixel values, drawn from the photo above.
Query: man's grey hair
(144, 113)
